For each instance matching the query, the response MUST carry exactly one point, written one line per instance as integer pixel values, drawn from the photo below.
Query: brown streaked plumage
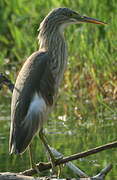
(38, 81)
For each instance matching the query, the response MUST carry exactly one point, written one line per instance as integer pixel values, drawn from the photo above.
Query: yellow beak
(91, 20)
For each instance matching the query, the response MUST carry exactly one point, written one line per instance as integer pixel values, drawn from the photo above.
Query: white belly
(37, 111)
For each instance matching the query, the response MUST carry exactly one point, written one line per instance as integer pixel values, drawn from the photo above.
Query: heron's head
(66, 16)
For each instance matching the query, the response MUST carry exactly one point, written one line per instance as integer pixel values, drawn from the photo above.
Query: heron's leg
(31, 156)
(43, 139)
(32, 163)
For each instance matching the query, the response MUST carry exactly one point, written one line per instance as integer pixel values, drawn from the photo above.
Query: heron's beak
(90, 20)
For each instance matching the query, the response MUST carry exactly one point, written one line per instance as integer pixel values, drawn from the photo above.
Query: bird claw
(36, 168)
(56, 170)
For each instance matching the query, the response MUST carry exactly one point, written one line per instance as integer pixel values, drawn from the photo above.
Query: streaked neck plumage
(51, 39)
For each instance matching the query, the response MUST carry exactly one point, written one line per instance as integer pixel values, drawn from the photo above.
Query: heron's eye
(70, 14)
(73, 14)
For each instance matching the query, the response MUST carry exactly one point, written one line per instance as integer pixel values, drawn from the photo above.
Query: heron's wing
(34, 77)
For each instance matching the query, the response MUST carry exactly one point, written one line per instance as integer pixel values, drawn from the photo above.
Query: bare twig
(90, 152)
(102, 173)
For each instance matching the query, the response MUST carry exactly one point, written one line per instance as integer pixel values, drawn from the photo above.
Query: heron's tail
(21, 135)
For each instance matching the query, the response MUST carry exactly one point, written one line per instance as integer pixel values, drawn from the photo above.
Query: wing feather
(34, 77)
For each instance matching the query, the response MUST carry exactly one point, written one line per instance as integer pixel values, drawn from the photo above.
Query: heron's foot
(56, 170)
(33, 166)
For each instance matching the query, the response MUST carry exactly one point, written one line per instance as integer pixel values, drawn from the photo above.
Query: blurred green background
(85, 114)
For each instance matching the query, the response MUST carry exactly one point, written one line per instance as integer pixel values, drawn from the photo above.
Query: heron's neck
(52, 40)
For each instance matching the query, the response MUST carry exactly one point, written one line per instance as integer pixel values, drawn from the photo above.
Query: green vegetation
(89, 90)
